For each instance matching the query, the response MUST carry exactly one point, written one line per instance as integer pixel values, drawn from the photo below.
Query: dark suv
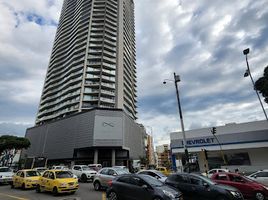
(140, 187)
(197, 187)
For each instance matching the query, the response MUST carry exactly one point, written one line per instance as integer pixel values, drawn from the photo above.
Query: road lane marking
(14, 197)
(103, 196)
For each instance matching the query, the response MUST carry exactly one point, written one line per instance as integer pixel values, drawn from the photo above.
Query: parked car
(40, 169)
(6, 175)
(140, 187)
(214, 171)
(260, 176)
(60, 167)
(249, 188)
(25, 179)
(154, 173)
(83, 172)
(163, 170)
(57, 181)
(105, 175)
(95, 167)
(122, 167)
(199, 187)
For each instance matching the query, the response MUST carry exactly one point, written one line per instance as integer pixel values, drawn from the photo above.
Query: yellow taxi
(164, 170)
(57, 181)
(25, 179)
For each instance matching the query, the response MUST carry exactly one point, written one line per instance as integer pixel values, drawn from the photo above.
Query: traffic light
(213, 131)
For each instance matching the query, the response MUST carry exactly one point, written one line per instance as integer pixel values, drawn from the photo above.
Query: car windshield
(120, 171)
(64, 174)
(209, 181)
(32, 173)
(85, 168)
(5, 169)
(152, 181)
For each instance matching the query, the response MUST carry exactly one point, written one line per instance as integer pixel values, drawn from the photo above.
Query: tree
(143, 160)
(9, 146)
(261, 85)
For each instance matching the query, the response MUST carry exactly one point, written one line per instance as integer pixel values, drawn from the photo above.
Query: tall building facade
(93, 60)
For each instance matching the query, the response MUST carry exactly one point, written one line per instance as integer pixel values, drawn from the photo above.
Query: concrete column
(72, 163)
(96, 155)
(113, 157)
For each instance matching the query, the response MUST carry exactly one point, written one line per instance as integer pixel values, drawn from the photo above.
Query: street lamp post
(176, 80)
(248, 73)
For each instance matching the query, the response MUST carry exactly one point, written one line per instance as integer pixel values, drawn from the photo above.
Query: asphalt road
(85, 192)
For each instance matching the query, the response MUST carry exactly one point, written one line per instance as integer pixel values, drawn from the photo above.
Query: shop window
(238, 159)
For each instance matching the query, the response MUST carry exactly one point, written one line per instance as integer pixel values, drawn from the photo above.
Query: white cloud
(200, 40)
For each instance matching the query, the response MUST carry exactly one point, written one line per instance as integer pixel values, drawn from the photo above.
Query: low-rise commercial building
(243, 146)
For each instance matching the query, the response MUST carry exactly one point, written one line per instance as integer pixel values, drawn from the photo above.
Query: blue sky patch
(36, 18)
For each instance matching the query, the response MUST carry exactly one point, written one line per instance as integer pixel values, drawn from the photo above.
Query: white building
(244, 146)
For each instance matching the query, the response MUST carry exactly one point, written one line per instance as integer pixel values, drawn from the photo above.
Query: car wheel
(259, 196)
(11, 185)
(83, 178)
(55, 191)
(113, 196)
(221, 198)
(23, 186)
(38, 189)
(97, 185)
(72, 192)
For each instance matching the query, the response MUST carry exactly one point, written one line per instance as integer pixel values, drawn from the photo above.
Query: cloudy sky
(202, 41)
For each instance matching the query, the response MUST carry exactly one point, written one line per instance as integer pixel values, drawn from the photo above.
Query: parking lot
(85, 192)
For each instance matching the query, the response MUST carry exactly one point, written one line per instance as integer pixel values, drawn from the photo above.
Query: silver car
(260, 176)
(105, 175)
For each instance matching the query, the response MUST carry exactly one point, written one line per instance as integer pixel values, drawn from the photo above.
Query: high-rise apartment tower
(93, 60)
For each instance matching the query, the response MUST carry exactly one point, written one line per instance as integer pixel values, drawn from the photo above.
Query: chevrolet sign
(193, 142)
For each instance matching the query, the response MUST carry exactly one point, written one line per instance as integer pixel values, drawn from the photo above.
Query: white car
(154, 173)
(83, 172)
(41, 170)
(6, 175)
(95, 167)
(260, 176)
(213, 171)
(60, 167)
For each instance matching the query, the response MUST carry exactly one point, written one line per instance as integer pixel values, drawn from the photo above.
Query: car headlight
(265, 187)
(63, 184)
(169, 194)
(235, 193)
(28, 180)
